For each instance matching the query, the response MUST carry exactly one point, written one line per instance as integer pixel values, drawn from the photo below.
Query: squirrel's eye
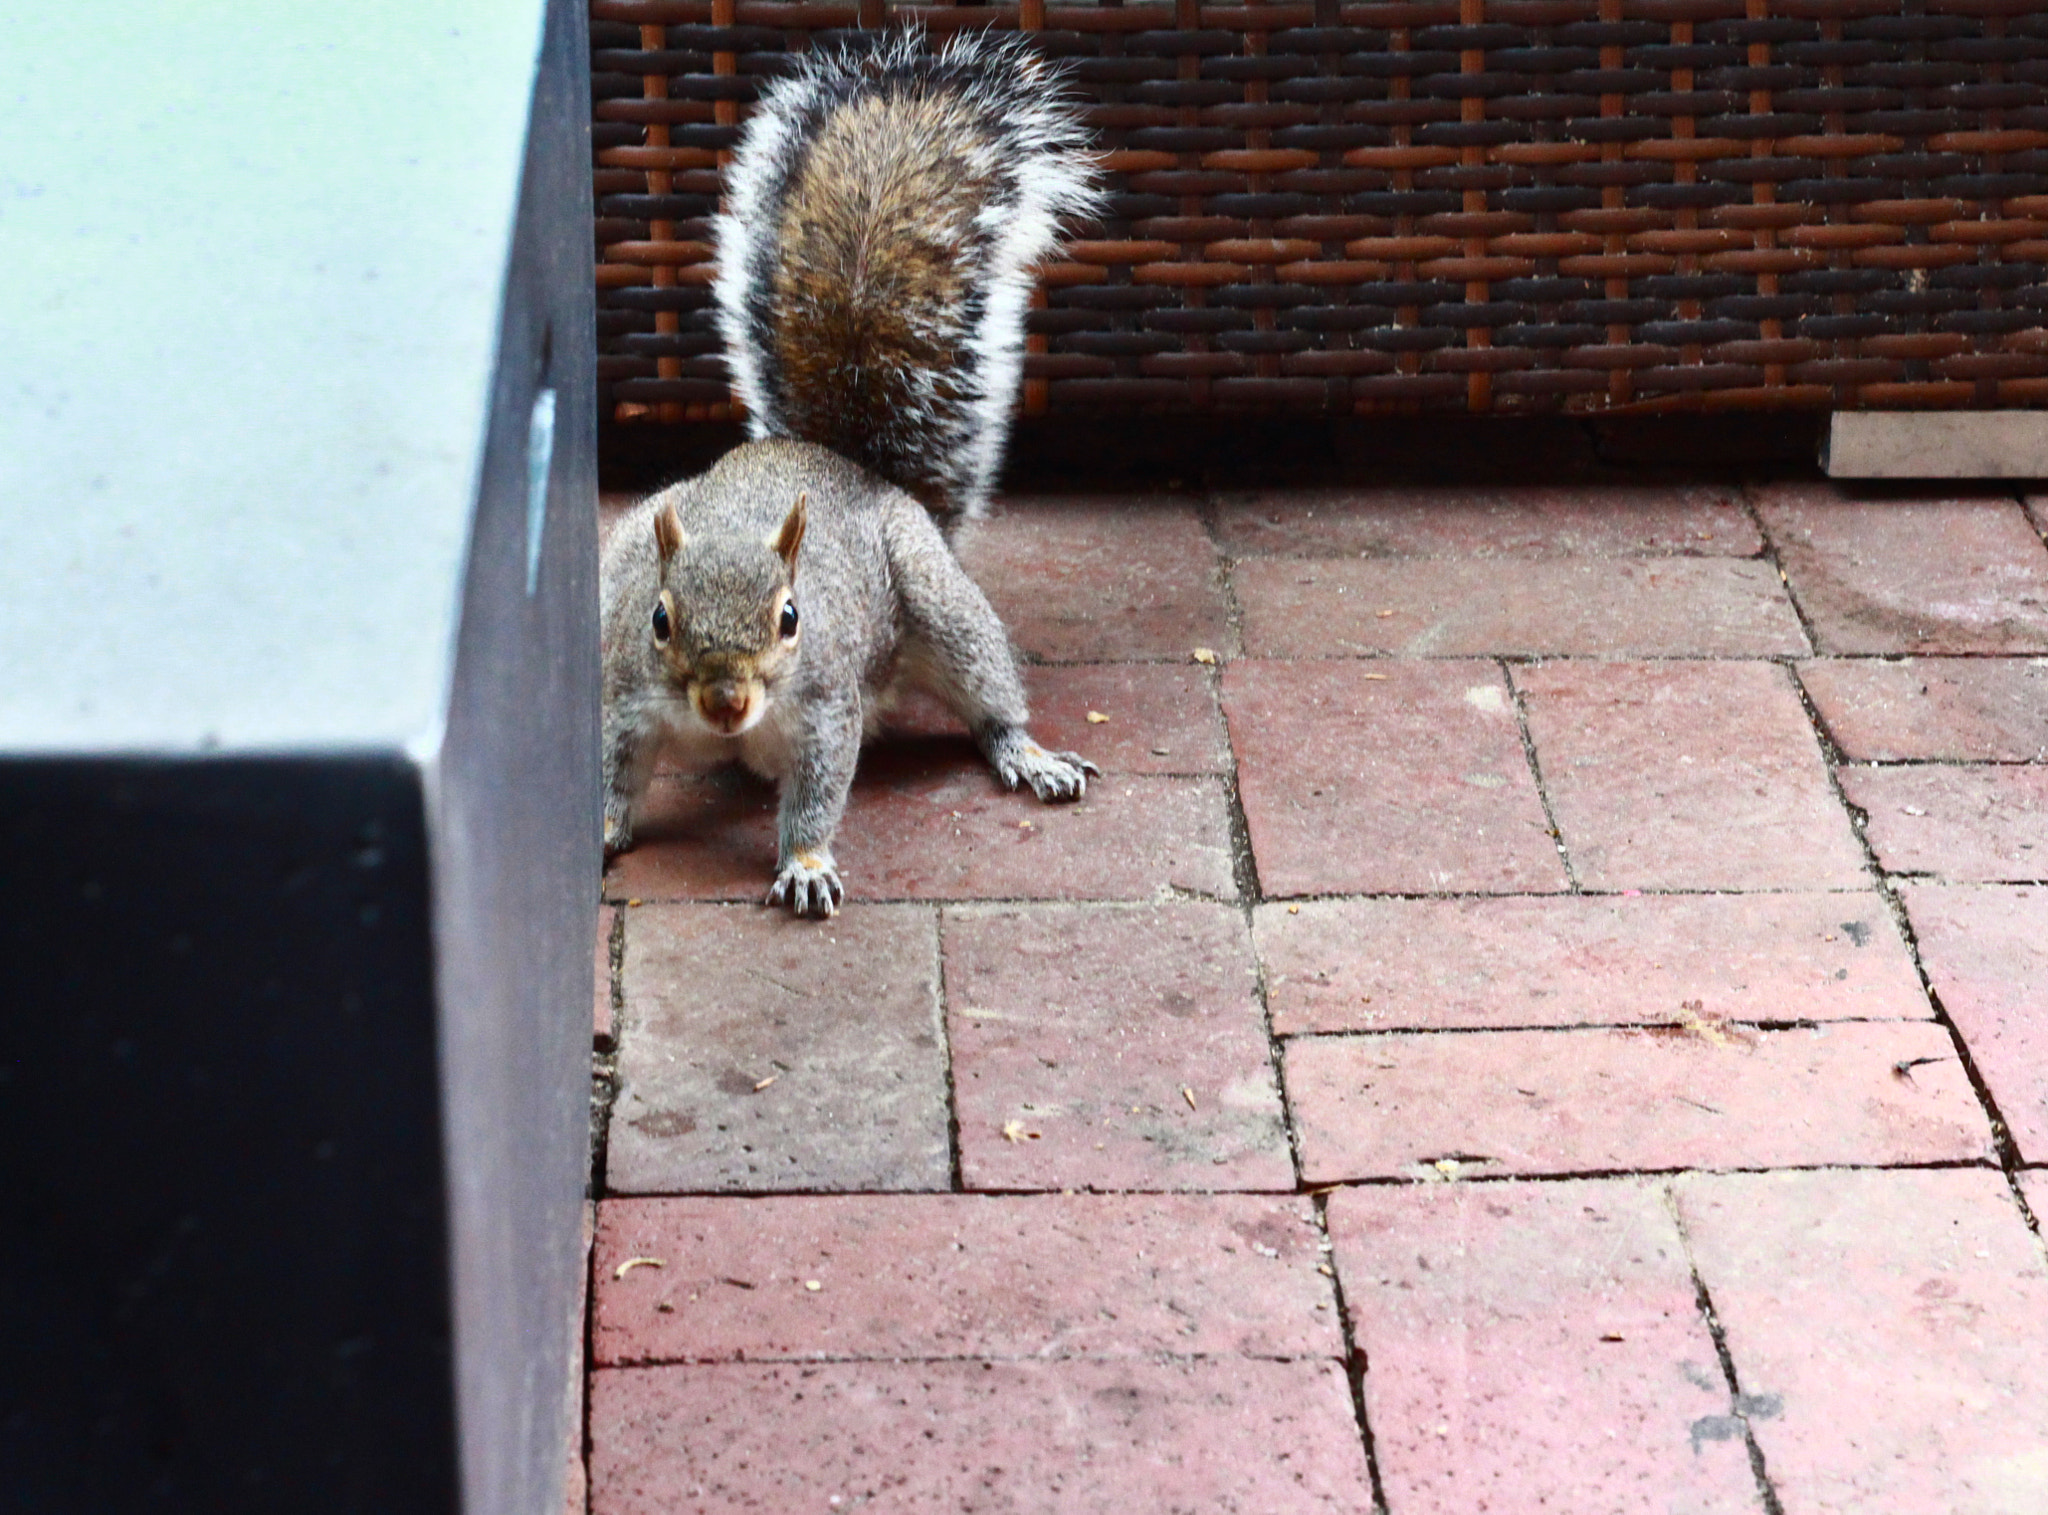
(788, 627)
(661, 625)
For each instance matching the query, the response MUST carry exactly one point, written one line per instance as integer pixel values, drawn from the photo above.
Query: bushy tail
(885, 211)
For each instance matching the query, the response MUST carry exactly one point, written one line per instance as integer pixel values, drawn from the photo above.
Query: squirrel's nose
(724, 702)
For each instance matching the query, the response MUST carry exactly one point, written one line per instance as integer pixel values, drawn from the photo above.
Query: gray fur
(882, 602)
(945, 443)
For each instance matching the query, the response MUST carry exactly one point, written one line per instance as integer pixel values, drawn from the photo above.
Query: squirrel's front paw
(809, 885)
(1051, 775)
(618, 832)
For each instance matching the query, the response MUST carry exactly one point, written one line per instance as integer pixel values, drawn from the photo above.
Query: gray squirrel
(886, 210)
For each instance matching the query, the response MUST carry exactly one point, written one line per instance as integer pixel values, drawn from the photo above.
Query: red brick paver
(1986, 709)
(1111, 1049)
(929, 821)
(1536, 1347)
(1897, 1323)
(1496, 521)
(1456, 607)
(1463, 964)
(1161, 718)
(764, 1052)
(1123, 717)
(984, 1195)
(1980, 824)
(1390, 776)
(1709, 1096)
(1986, 955)
(1233, 1437)
(1687, 776)
(1907, 575)
(1101, 579)
(932, 1276)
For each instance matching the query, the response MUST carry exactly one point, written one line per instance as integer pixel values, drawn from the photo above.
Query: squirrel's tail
(885, 212)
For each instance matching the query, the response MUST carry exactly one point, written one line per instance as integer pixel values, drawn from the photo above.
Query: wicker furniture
(1485, 205)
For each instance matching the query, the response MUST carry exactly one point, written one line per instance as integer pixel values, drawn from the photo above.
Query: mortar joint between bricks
(954, 1171)
(1355, 1363)
(615, 963)
(1243, 862)
(1478, 1180)
(1520, 698)
(1738, 1401)
(1883, 882)
(2029, 1215)
(1275, 1059)
(1745, 492)
(1834, 760)
(1249, 898)
(2002, 1142)
(587, 1438)
(604, 1061)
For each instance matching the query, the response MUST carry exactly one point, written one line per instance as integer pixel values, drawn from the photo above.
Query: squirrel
(886, 211)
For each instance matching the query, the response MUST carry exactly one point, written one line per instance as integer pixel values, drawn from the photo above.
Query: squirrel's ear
(668, 532)
(791, 536)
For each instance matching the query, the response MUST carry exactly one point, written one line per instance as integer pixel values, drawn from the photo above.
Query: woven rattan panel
(1493, 205)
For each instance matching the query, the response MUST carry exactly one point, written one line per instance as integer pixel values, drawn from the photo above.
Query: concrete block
(1937, 444)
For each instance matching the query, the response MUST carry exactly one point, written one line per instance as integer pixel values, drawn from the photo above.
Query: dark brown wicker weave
(1494, 205)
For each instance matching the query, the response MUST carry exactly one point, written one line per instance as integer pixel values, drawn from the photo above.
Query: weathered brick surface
(1986, 954)
(709, 838)
(1111, 1049)
(929, 821)
(764, 1052)
(1156, 717)
(1687, 776)
(1101, 579)
(1462, 964)
(1387, 776)
(1905, 575)
(1499, 521)
(1225, 1436)
(1536, 1347)
(923, 1276)
(1163, 717)
(1712, 1096)
(1969, 824)
(1458, 607)
(1896, 1326)
(1961, 709)
(1069, 999)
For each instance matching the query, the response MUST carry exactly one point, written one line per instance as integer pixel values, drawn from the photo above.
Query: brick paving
(1543, 1011)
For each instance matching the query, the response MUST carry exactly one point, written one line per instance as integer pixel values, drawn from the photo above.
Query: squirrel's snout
(725, 704)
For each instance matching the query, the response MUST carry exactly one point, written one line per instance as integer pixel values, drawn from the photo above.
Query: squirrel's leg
(814, 790)
(964, 654)
(632, 741)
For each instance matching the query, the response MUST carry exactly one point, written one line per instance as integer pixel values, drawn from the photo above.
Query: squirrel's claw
(809, 885)
(1053, 776)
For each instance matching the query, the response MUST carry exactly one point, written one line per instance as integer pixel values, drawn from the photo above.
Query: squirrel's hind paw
(809, 885)
(1053, 776)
